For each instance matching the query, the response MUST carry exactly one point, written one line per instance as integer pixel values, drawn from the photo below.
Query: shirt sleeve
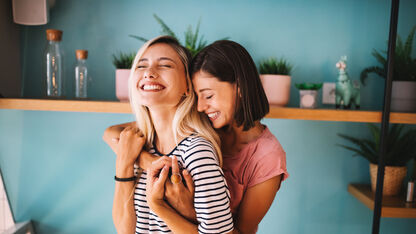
(267, 165)
(212, 198)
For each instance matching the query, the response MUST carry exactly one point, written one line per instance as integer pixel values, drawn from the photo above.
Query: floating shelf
(275, 112)
(392, 207)
(65, 105)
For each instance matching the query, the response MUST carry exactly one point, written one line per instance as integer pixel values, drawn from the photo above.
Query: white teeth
(152, 87)
(213, 115)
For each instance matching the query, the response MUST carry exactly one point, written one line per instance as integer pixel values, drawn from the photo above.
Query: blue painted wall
(58, 172)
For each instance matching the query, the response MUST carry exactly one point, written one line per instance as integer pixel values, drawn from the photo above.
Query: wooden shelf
(275, 112)
(65, 105)
(393, 206)
(339, 115)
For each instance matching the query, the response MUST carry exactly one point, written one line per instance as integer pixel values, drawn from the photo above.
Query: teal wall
(59, 173)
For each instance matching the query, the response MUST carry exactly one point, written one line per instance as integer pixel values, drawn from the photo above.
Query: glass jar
(53, 67)
(81, 74)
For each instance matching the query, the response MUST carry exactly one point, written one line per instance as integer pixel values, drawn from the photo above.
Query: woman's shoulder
(266, 159)
(266, 143)
(195, 140)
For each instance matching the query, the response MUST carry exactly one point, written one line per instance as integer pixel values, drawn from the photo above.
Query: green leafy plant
(193, 41)
(123, 60)
(404, 64)
(275, 66)
(401, 145)
(309, 86)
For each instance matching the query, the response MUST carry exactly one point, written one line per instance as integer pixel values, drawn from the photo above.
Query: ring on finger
(176, 178)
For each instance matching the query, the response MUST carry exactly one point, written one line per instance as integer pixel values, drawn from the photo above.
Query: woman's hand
(111, 135)
(155, 186)
(130, 145)
(179, 195)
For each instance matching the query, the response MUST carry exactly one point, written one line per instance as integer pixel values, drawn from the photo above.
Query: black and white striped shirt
(211, 199)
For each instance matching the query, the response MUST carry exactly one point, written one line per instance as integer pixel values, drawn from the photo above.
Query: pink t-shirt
(260, 160)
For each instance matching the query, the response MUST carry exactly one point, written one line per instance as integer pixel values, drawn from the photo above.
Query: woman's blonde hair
(187, 120)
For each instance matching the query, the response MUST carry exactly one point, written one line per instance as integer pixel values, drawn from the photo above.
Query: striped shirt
(211, 198)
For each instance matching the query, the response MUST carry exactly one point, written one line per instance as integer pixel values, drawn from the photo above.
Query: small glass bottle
(53, 66)
(81, 74)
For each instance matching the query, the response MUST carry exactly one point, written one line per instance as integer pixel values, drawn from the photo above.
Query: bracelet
(125, 179)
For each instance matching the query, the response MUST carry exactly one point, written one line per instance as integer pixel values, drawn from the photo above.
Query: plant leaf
(165, 28)
(138, 38)
(409, 43)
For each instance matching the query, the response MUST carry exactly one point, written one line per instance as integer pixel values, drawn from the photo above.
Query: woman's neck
(162, 121)
(238, 138)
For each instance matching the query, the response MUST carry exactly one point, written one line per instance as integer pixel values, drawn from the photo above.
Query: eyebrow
(159, 59)
(202, 90)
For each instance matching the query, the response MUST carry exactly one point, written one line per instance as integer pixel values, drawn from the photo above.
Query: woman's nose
(201, 106)
(150, 73)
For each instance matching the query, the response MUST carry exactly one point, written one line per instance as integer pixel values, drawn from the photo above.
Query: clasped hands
(159, 188)
(178, 193)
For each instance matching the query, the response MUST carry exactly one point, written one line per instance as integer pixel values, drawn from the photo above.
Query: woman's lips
(151, 87)
(213, 115)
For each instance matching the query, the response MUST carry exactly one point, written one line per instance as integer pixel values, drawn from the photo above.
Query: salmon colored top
(260, 160)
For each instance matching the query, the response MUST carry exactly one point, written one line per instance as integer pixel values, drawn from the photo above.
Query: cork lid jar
(81, 54)
(53, 35)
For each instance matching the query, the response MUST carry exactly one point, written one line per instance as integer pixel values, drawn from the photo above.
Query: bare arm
(156, 179)
(155, 192)
(127, 151)
(252, 209)
(111, 136)
(255, 204)
(124, 216)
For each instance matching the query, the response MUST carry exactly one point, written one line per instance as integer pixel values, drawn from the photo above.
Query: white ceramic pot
(308, 98)
(277, 88)
(122, 87)
(403, 96)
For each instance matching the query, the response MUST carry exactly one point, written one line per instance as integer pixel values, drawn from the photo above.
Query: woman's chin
(218, 124)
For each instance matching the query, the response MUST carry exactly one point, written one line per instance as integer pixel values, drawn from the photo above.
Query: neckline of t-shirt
(252, 142)
(171, 152)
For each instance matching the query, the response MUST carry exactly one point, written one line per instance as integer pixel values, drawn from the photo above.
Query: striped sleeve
(212, 198)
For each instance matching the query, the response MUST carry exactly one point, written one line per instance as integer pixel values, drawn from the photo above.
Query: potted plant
(193, 42)
(404, 74)
(275, 77)
(123, 63)
(401, 147)
(308, 94)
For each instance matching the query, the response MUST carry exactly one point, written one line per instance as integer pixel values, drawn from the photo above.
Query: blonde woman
(167, 125)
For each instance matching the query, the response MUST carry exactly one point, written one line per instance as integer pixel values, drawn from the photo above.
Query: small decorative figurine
(346, 91)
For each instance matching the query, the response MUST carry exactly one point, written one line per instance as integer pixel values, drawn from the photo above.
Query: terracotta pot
(393, 179)
(277, 88)
(403, 96)
(122, 87)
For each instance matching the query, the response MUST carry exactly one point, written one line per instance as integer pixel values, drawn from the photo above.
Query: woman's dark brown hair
(230, 62)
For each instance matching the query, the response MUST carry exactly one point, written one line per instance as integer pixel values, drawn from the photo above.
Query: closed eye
(209, 97)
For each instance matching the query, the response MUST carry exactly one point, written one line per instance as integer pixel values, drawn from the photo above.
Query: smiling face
(215, 98)
(159, 77)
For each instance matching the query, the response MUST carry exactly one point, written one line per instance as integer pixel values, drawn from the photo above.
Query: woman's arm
(255, 204)
(111, 136)
(127, 151)
(155, 191)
